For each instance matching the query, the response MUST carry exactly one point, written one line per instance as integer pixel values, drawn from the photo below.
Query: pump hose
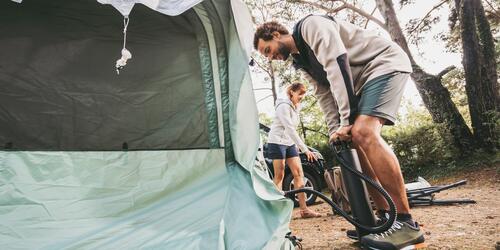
(377, 229)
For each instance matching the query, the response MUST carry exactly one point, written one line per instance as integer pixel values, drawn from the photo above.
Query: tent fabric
(211, 74)
(117, 200)
(188, 178)
(53, 100)
(112, 200)
(243, 26)
(167, 7)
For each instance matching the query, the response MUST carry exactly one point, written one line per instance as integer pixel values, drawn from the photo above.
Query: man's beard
(283, 50)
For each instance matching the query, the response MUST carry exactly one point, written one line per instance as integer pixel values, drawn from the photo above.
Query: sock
(405, 218)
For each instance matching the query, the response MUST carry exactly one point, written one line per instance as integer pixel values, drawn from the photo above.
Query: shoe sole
(410, 247)
(353, 237)
(418, 245)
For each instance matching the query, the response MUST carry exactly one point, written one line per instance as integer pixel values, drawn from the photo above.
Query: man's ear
(276, 34)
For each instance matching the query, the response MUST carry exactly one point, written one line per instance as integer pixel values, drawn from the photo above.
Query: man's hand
(343, 133)
(311, 156)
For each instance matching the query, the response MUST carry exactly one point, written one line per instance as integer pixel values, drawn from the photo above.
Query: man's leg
(379, 200)
(378, 105)
(381, 158)
(404, 232)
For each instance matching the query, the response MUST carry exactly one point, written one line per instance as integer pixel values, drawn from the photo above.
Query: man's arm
(322, 36)
(327, 103)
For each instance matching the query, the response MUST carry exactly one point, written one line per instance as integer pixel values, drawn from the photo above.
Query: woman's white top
(284, 127)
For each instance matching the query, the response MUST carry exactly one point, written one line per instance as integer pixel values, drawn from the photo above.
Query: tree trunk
(489, 71)
(480, 92)
(435, 96)
(273, 81)
(303, 128)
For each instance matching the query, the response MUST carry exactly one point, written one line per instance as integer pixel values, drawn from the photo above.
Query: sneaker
(400, 236)
(353, 234)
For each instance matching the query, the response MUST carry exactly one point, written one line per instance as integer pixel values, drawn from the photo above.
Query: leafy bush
(422, 149)
(427, 150)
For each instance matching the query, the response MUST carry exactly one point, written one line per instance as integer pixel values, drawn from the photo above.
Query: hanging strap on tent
(120, 63)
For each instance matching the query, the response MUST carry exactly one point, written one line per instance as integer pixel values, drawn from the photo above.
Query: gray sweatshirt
(284, 127)
(368, 55)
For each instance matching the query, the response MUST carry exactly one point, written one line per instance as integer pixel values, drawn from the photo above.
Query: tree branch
(311, 105)
(365, 14)
(427, 15)
(262, 67)
(492, 13)
(345, 5)
(445, 71)
(491, 6)
(262, 99)
(371, 14)
(316, 131)
(320, 6)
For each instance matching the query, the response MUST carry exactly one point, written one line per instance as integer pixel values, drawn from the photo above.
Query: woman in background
(283, 141)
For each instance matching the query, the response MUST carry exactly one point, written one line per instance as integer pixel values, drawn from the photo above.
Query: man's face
(273, 49)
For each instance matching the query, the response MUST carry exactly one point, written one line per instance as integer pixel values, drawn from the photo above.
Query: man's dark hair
(265, 31)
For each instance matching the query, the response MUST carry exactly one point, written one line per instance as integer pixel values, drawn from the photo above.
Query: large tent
(159, 156)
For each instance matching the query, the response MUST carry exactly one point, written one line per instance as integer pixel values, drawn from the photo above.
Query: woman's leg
(279, 172)
(298, 179)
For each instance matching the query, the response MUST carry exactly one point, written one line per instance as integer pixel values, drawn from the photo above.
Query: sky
(434, 57)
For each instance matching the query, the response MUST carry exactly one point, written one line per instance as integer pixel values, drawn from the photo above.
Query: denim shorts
(278, 151)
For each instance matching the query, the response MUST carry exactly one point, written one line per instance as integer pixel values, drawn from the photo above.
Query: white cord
(126, 55)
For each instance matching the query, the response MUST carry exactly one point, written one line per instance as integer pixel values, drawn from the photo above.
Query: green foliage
(421, 149)
(426, 149)
(314, 126)
(265, 119)
(454, 81)
(452, 38)
(497, 52)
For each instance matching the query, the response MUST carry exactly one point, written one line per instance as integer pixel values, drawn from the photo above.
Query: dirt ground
(467, 226)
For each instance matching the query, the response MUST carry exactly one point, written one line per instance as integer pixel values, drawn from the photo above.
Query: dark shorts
(381, 96)
(277, 151)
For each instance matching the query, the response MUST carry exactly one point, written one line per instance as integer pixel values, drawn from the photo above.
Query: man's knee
(364, 135)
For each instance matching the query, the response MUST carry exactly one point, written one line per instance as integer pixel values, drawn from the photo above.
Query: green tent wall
(161, 156)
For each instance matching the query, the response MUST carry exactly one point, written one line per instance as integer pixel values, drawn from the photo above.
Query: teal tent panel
(187, 199)
(256, 216)
(112, 200)
(242, 107)
(266, 190)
